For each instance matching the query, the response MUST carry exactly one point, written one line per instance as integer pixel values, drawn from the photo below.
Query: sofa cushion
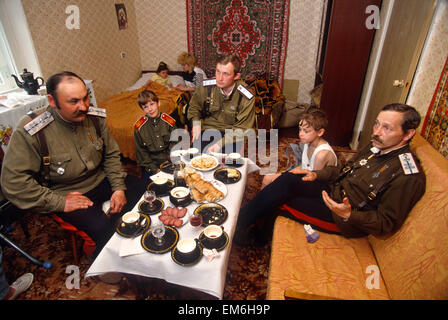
(333, 266)
(414, 260)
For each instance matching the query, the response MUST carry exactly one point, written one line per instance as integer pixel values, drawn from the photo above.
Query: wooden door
(347, 53)
(408, 26)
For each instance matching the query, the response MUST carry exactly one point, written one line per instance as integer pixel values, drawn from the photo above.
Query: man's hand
(117, 201)
(195, 132)
(343, 209)
(308, 175)
(214, 148)
(75, 201)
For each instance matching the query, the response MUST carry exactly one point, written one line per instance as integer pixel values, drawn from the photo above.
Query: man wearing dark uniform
(371, 194)
(223, 103)
(63, 160)
(152, 134)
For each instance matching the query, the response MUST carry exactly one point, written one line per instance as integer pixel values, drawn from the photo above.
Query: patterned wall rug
(255, 30)
(435, 128)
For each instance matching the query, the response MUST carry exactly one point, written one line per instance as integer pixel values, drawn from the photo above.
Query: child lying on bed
(152, 134)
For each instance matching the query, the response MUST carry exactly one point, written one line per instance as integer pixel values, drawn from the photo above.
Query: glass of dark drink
(196, 220)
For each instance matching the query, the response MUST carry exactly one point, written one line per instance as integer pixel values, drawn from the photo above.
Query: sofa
(412, 263)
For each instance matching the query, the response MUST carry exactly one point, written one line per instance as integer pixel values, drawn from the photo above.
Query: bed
(123, 110)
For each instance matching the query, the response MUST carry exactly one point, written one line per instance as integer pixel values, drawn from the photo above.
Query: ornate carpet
(255, 30)
(435, 127)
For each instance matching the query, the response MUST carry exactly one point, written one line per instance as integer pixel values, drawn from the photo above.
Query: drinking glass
(158, 232)
(196, 220)
(149, 196)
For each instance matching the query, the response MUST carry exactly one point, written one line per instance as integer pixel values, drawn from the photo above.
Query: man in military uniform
(223, 103)
(152, 134)
(372, 194)
(63, 160)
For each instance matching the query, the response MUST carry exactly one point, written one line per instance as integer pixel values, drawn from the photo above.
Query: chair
(9, 213)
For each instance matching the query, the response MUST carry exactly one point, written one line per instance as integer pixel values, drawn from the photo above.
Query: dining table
(130, 255)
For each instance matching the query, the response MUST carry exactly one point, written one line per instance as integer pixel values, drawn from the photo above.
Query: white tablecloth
(13, 109)
(205, 276)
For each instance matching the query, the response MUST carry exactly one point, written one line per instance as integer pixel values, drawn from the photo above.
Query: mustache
(80, 112)
(376, 138)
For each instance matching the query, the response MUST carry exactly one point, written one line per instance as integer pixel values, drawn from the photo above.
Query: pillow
(175, 80)
(141, 82)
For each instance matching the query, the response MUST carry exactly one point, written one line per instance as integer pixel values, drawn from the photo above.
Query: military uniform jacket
(230, 112)
(152, 141)
(79, 161)
(393, 202)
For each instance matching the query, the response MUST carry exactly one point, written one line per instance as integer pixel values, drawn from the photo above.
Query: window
(17, 50)
(7, 65)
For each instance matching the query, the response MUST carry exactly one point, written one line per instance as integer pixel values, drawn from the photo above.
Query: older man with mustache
(62, 159)
(371, 194)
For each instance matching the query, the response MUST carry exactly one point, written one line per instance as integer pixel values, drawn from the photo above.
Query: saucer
(131, 231)
(161, 190)
(182, 203)
(219, 244)
(170, 237)
(189, 260)
(157, 206)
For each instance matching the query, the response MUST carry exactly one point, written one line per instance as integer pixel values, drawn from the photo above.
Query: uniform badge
(209, 82)
(140, 122)
(94, 111)
(408, 163)
(38, 123)
(249, 95)
(168, 119)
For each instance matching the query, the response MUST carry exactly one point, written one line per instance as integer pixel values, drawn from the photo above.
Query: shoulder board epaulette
(408, 163)
(94, 111)
(245, 92)
(209, 82)
(138, 124)
(38, 123)
(168, 119)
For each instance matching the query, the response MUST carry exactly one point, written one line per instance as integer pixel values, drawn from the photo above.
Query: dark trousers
(93, 221)
(291, 190)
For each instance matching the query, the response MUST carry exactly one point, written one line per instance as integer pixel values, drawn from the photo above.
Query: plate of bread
(204, 190)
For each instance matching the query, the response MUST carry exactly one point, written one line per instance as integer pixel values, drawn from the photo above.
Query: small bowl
(187, 247)
(191, 153)
(233, 158)
(179, 196)
(160, 180)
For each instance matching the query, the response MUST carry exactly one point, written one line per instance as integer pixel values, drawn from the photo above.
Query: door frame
(375, 60)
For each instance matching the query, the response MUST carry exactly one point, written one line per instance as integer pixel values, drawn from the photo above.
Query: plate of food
(212, 213)
(204, 190)
(204, 162)
(173, 216)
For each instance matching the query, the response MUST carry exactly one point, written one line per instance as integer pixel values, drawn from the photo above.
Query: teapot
(29, 84)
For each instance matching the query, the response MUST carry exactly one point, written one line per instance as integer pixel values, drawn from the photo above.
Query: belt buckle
(371, 195)
(46, 160)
